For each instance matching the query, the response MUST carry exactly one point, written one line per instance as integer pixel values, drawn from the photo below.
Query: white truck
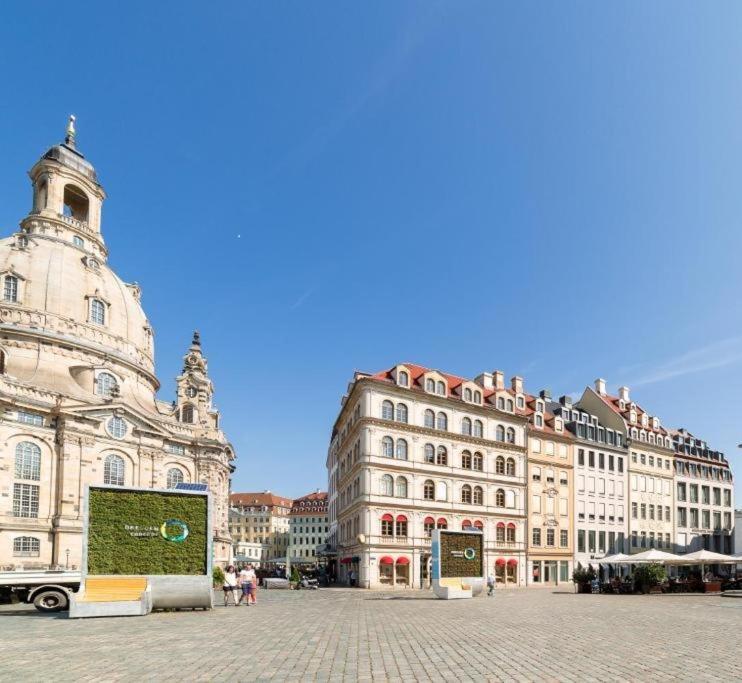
(48, 589)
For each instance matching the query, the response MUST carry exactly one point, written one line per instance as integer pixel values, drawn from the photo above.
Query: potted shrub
(582, 576)
(649, 577)
(218, 576)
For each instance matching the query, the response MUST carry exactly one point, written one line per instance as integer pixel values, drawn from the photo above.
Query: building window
(113, 470)
(466, 460)
(429, 419)
(27, 461)
(387, 410)
(500, 498)
(429, 490)
(550, 538)
(563, 538)
(387, 485)
(510, 435)
(404, 379)
(478, 462)
(97, 312)
(467, 395)
(174, 477)
(536, 536)
(25, 500)
(500, 433)
(440, 388)
(478, 428)
(442, 422)
(387, 525)
(387, 447)
(510, 467)
(10, 288)
(26, 546)
(466, 426)
(478, 496)
(401, 488)
(428, 525)
(500, 465)
(442, 457)
(430, 386)
(401, 412)
(466, 493)
(30, 418)
(187, 414)
(401, 449)
(78, 241)
(105, 384)
(429, 453)
(401, 526)
(117, 427)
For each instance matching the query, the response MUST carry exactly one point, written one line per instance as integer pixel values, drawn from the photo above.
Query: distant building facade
(308, 527)
(261, 518)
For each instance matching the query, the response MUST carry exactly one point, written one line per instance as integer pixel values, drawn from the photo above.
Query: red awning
(512, 562)
(478, 524)
(442, 520)
(429, 520)
(511, 526)
(401, 518)
(501, 525)
(465, 523)
(403, 560)
(387, 518)
(500, 562)
(386, 560)
(345, 560)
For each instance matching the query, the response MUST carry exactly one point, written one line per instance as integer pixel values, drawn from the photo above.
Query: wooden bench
(113, 589)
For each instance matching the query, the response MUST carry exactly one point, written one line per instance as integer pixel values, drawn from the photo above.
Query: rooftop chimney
(600, 386)
(499, 379)
(545, 394)
(566, 401)
(485, 380)
(517, 384)
(623, 394)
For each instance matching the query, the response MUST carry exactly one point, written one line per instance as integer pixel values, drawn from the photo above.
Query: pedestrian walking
(230, 585)
(491, 583)
(249, 585)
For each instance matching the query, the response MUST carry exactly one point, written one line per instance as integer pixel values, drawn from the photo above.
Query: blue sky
(550, 189)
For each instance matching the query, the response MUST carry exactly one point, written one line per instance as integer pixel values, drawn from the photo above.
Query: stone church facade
(78, 388)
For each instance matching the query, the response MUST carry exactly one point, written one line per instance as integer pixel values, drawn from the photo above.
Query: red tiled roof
(263, 498)
(614, 403)
(312, 502)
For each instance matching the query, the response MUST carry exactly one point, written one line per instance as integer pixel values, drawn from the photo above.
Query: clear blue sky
(552, 189)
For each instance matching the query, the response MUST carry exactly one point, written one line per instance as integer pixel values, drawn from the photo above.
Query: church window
(78, 241)
(75, 203)
(187, 414)
(117, 427)
(114, 470)
(26, 546)
(97, 312)
(174, 477)
(27, 461)
(10, 288)
(105, 384)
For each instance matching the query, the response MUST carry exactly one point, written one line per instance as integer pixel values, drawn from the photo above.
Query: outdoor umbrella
(704, 557)
(652, 555)
(618, 558)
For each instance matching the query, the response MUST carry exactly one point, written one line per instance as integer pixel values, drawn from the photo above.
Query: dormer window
(539, 420)
(520, 402)
(440, 389)
(477, 397)
(501, 403)
(97, 312)
(10, 288)
(105, 384)
(632, 416)
(403, 379)
(539, 407)
(430, 386)
(558, 424)
(467, 395)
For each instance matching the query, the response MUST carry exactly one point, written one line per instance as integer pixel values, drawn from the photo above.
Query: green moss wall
(112, 549)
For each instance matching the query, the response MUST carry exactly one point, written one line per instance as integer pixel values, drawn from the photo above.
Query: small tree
(648, 575)
(295, 578)
(218, 575)
(582, 575)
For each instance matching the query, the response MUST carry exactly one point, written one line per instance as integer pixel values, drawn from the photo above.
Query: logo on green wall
(470, 553)
(174, 530)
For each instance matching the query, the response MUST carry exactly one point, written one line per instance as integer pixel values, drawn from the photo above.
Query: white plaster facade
(78, 400)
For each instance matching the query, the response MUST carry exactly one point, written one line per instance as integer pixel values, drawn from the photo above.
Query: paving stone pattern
(346, 634)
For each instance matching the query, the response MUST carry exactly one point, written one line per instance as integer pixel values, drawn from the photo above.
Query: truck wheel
(50, 601)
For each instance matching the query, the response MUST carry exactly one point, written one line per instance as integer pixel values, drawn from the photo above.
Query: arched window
(10, 288)
(466, 460)
(401, 487)
(466, 524)
(478, 428)
(75, 203)
(401, 412)
(510, 405)
(500, 465)
(478, 462)
(97, 312)
(500, 532)
(430, 386)
(500, 498)
(27, 461)
(442, 456)
(174, 477)
(466, 493)
(387, 447)
(113, 470)
(442, 523)
(429, 419)
(501, 403)
(105, 383)
(511, 435)
(511, 533)
(387, 485)
(441, 491)
(467, 395)
(440, 388)
(387, 410)
(387, 525)
(187, 414)
(478, 496)
(401, 449)
(500, 433)
(478, 524)
(401, 526)
(466, 426)
(428, 490)
(510, 467)
(428, 525)
(442, 422)
(26, 546)
(477, 397)
(429, 453)
(404, 379)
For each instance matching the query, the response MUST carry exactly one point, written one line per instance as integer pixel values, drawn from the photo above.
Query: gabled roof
(263, 498)
(614, 403)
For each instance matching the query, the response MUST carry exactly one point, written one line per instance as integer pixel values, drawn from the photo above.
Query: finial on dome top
(196, 338)
(69, 139)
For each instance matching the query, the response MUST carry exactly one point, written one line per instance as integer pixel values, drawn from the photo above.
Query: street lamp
(67, 552)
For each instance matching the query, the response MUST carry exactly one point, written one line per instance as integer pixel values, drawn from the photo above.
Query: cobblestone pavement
(346, 634)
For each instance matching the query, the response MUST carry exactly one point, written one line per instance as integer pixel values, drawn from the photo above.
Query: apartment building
(601, 478)
(414, 449)
(261, 518)
(550, 504)
(704, 496)
(308, 527)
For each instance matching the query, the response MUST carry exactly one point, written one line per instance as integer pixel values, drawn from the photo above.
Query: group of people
(245, 581)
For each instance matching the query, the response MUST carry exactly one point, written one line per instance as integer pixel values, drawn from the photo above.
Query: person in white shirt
(249, 583)
(230, 585)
